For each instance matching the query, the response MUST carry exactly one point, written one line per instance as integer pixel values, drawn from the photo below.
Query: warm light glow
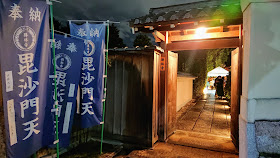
(227, 107)
(201, 33)
(205, 90)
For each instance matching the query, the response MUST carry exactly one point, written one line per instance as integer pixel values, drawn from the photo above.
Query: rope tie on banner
(52, 76)
(56, 141)
(56, 103)
(105, 93)
(51, 40)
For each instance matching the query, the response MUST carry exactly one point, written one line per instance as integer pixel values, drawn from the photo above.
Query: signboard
(25, 63)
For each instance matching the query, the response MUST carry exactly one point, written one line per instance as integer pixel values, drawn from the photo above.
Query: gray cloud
(116, 10)
(109, 9)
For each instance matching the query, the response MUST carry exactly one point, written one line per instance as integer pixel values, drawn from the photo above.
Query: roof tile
(208, 8)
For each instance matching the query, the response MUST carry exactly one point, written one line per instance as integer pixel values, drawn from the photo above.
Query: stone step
(202, 141)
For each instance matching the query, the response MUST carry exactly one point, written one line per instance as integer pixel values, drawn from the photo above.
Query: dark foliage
(199, 63)
(114, 37)
(61, 26)
(193, 62)
(142, 40)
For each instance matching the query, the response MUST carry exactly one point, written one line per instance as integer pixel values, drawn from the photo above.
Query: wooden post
(162, 92)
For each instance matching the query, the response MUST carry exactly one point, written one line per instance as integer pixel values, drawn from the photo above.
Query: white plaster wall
(261, 62)
(246, 54)
(262, 50)
(184, 91)
(261, 71)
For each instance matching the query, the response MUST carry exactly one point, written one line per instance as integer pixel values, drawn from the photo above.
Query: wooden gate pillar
(162, 94)
(163, 87)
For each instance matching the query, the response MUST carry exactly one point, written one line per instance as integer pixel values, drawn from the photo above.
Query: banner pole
(93, 21)
(34, 155)
(105, 83)
(55, 86)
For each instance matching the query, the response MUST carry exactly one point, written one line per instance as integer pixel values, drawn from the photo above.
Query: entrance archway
(170, 89)
(193, 26)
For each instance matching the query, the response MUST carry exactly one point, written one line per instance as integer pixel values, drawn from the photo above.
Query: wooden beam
(162, 45)
(156, 38)
(159, 35)
(203, 44)
(206, 36)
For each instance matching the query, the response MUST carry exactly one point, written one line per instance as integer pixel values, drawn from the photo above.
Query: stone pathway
(204, 125)
(208, 115)
(203, 130)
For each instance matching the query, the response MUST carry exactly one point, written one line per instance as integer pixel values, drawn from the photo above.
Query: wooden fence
(131, 116)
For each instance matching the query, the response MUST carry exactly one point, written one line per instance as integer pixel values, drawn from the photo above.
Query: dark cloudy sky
(116, 10)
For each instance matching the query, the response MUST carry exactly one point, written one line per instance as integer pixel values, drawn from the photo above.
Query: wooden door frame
(167, 45)
(163, 100)
(156, 94)
(163, 96)
(171, 95)
(235, 134)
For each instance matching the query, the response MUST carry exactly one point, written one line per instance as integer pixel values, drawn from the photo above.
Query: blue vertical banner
(25, 65)
(69, 55)
(92, 74)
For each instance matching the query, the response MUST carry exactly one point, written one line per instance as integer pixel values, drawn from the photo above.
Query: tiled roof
(207, 9)
(148, 48)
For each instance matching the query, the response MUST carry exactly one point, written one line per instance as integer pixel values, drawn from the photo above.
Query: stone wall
(268, 137)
